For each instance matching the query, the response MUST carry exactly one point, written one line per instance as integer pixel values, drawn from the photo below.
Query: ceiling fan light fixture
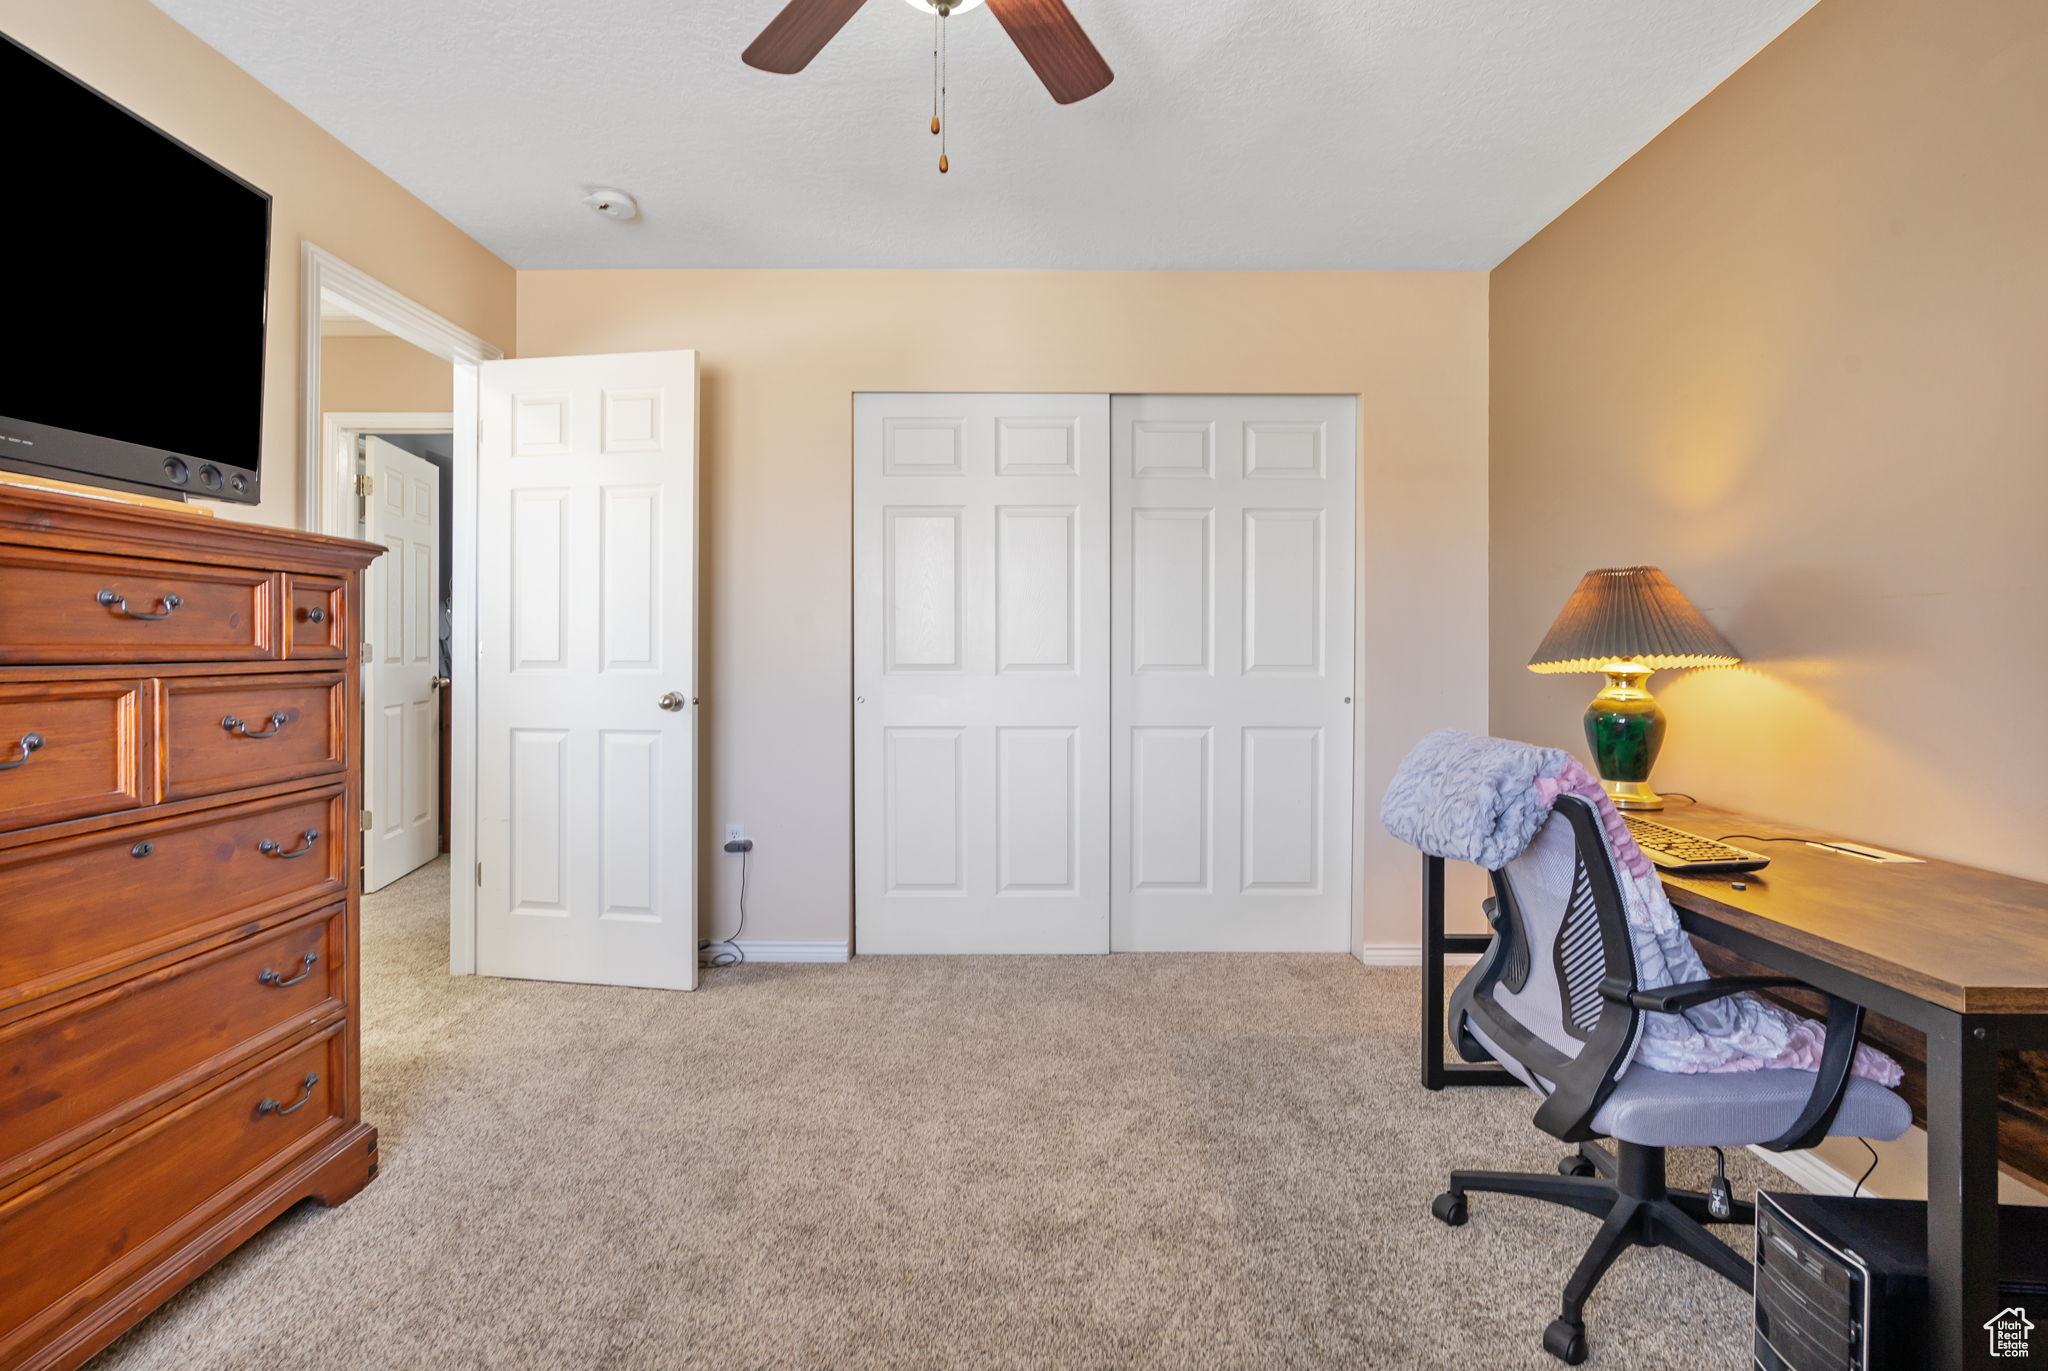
(958, 7)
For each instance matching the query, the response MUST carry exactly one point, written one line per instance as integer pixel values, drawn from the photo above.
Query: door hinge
(364, 484)
(368, 824)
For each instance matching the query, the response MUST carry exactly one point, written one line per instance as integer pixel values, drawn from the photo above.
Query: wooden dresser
(179, 791)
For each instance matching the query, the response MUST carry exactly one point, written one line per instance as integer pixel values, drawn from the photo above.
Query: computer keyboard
(1676, 850)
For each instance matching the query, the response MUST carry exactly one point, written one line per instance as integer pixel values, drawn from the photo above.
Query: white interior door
(981, 673)
(1232, 672)
(401, 624)
(587, 669)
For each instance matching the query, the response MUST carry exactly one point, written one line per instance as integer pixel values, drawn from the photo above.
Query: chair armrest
(1830, 1080)
(1670, 999)
(1831, 1077)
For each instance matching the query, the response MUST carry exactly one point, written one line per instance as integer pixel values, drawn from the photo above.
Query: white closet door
(1232, 654)
(981, 673)
(402, 624)
(587, 669)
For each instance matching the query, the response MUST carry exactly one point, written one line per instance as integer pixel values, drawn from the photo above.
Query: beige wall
(135, 54)
(783, 354)
(1793, 352)
(385, 375)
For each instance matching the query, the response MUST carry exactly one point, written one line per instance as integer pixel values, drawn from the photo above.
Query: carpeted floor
(945, 1163)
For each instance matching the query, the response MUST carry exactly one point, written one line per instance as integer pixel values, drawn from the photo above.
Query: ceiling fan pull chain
(945, 12)
(935, 71)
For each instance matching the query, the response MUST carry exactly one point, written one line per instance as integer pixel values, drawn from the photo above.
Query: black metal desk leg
(1436, 945)
(1432, 972)
(1962, 1188)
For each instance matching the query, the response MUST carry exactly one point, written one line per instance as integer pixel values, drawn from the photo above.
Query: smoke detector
(613, 204)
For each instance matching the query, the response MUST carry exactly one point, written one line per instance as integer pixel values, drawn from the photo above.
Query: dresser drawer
(64, 1241)
(316, 622)
(73, 748)
(72, 909)
(229, 732)
(79, 1069)
(81, 607)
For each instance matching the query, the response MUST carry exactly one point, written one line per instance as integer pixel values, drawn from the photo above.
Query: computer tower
(1842, 1282)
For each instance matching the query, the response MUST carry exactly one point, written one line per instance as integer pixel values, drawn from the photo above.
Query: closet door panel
(1231, 647)
(981, 673)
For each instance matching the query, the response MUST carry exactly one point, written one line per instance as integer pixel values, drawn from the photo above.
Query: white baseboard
(1407, 954)
(1811, 1172)
(792, 950)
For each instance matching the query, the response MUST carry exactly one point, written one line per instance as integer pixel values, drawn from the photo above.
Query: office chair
(1555, 1000)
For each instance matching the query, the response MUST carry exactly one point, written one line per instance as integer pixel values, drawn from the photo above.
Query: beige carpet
(1140, 1161)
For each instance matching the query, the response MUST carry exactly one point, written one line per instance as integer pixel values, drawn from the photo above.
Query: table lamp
(1626, 622)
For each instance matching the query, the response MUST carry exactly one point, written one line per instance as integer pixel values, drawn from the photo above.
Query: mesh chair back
(1560, 935)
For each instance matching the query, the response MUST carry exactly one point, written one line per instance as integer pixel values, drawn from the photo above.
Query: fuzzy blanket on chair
(1481, 800)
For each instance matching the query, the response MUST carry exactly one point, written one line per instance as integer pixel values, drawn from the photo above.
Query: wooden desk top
(1956, 936)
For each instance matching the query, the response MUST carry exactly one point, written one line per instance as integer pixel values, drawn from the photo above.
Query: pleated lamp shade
(1620, 613)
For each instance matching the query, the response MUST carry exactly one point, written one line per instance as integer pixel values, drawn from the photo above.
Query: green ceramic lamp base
(1625, 730)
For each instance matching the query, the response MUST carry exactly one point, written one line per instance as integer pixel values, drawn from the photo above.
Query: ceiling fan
(1043, 30)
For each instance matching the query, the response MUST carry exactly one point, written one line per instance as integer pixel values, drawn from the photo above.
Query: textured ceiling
(1238, 133)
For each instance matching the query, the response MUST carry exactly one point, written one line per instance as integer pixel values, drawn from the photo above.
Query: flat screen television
(134, 272)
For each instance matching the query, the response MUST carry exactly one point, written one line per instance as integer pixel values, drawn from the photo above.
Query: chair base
(1626, 1190)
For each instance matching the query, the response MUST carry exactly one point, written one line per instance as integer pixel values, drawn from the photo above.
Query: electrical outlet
(735, 833)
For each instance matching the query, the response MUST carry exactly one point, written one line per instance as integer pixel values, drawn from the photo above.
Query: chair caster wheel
(1576, 1165)
(1450, 1207)
(1565, 1341)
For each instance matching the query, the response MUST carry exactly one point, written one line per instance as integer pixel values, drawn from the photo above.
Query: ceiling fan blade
(798, 34)
(1053, 43)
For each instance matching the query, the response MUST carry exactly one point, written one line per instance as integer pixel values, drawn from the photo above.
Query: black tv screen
(135, 276)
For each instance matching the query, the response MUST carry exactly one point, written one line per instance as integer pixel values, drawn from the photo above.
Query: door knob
(439, 683)
(671, 702)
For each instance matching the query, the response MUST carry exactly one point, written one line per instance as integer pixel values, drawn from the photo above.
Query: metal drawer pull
(277, 722)
(273, 1107)
(316, 615)
(142, 849)
(270, 977)
(271, 847)
(29, 743)
(120, 602)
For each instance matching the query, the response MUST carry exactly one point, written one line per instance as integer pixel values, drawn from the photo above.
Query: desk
(1958, 953)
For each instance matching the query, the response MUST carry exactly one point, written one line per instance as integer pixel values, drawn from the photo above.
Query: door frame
(1362, 809)
(326, 505)
(339, 428)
